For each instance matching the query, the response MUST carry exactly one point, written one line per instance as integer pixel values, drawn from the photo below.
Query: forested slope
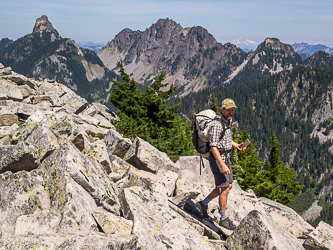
(296, 106)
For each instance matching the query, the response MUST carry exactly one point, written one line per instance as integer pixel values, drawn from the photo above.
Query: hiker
(220, 162)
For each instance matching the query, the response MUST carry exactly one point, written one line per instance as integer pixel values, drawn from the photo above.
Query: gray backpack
(200, 136)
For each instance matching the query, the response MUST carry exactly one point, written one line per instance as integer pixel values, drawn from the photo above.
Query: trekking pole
(201, 160)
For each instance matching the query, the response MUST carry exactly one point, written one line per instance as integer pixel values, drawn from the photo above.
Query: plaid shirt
(215, 132)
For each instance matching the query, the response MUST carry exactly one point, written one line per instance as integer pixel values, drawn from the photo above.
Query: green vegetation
(326, 215)
(321, 202)
(283, 104)
(303, 201)
(274, 181)
(145, 114)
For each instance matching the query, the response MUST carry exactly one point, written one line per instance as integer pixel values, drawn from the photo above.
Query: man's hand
(238, 146)
(216, 153)
(225, 169)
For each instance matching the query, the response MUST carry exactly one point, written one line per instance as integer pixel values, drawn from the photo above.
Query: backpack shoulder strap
(224, 129)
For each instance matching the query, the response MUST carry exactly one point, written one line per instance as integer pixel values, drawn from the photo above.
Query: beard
(227, 115)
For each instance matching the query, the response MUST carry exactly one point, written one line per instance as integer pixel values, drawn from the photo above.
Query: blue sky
(100, 20)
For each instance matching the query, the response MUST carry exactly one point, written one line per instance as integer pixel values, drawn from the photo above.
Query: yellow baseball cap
(228, 104)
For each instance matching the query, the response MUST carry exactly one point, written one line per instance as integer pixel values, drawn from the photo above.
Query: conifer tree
(155, 101)
(146, 114)
(126, 96)
(199, 107)
(214, 106)
(277, 182)
(249, 162)
(238, 171)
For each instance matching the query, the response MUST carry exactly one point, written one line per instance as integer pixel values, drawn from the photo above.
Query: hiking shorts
(221, 180)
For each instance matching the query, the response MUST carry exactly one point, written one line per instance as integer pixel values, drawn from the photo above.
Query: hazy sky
(100, 20)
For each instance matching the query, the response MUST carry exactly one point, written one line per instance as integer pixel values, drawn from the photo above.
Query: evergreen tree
(249, 162)
(238, 171)
(146, 114)
(214, 106)
(277, 182)
(199, 107)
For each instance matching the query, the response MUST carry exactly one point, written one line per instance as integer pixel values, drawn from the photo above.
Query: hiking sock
(206, 201)
(223, 215)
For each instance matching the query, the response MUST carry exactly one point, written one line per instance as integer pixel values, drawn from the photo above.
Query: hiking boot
(227, 223)
(203, 209)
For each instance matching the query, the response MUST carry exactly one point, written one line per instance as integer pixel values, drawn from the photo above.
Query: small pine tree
(238, 171)
(249, 162)
(214, 106)
(199, 107)
(277, 182)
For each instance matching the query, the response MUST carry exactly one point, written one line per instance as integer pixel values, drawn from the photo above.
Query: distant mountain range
(306, 50)
(192, 58)
(96, 47)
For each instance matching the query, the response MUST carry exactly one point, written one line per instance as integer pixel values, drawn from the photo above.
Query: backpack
(200, 136)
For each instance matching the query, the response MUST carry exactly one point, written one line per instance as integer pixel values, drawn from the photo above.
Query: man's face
(228, 113)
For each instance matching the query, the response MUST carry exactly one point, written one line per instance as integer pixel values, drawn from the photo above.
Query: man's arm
(218, 157)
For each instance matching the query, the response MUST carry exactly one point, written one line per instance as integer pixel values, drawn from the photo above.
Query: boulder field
(69, 180)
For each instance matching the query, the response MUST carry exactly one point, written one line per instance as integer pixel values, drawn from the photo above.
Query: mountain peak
(166, 21)
(43, 24)
(276, 44)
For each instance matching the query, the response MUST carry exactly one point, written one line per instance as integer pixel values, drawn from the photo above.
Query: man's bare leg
(223, 197)
(222, 193)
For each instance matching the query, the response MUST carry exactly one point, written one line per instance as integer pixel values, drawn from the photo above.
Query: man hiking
(220, 163)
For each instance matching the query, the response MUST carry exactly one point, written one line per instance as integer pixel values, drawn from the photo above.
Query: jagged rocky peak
(276, 44)
(124, 39)
(202, 36)
(43, 24)
(164, 29)
(161, 31)
(184, 53)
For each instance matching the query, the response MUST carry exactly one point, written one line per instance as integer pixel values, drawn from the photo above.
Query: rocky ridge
(5, 42)
(189, 55)
(69, 180)
(193, 58)
(45, 54)
(271, 57)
